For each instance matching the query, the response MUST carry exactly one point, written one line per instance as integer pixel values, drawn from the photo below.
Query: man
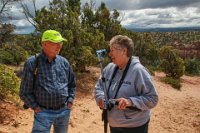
(51, 92)
(128, 84)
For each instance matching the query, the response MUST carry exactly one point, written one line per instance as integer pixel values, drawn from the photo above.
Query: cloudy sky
(134, 13)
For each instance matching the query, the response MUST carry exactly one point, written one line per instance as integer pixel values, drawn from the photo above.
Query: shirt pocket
(131, 113)
(43, 78)
(62, 77)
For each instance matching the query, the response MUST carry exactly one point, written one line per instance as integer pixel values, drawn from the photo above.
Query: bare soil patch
(176, 112)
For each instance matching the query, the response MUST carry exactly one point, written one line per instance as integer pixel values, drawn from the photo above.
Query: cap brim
(57, 41)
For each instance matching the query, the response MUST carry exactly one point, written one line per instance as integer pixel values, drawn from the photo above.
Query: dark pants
(140, 129)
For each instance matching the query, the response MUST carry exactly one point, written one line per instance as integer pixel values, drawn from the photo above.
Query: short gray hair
(123, 42)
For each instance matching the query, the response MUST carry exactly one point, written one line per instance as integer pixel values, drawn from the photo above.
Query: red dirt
(176, 112)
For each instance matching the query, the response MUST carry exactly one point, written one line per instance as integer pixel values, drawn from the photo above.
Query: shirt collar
(44, 57)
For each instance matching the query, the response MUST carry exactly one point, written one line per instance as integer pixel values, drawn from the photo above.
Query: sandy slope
(176, 112)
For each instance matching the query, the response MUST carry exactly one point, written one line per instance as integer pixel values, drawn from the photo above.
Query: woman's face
(117, 54)
(51, 49)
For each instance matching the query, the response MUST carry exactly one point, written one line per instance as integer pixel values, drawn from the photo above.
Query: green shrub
(19, 54)
(83, 58)
(151, 70)
(172, 65)
(192, 66)
(175, 83)
(6, 57)
(12, 54)
(9, 82)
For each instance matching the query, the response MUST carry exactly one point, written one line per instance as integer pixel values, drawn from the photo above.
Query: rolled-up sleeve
(99, 93)
(147, 97)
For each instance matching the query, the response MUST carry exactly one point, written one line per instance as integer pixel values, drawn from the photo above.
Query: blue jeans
(46, 118)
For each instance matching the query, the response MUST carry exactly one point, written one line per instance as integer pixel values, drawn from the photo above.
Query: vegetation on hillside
(9, 83)
(88, 29)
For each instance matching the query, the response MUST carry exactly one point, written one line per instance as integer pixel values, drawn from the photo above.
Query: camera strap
(121, 80)
(35, 72)
(35, 69)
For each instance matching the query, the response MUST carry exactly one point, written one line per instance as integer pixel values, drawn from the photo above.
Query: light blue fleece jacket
(137, 86)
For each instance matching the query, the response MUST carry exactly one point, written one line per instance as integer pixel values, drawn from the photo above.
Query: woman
(130, 85)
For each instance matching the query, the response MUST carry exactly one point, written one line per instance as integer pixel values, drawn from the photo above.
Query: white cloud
(22, 23)
(144, 4)
(134, 13)
(168, 17)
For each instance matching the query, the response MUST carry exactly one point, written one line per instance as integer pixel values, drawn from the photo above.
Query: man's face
(51, 49)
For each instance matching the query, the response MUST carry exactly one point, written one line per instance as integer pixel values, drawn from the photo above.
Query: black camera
(111, 103)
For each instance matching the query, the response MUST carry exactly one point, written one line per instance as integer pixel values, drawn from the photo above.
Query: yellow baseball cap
(52, 36)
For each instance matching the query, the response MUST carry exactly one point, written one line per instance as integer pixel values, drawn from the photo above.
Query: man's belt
(54, 108)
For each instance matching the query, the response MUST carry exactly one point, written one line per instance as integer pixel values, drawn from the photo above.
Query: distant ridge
(177, 29)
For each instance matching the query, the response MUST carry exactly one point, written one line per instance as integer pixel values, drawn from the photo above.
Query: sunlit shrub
(9, 82)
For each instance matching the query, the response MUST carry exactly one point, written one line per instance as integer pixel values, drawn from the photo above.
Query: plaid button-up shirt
(54, 82)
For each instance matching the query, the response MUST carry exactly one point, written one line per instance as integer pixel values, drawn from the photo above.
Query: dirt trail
(176, 112)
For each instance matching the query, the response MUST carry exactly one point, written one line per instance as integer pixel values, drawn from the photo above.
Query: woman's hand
(123, 103)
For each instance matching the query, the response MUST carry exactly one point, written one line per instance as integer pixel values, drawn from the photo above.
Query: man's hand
(124, 103)
(69, 105)
(101, 104)
(37, 110)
